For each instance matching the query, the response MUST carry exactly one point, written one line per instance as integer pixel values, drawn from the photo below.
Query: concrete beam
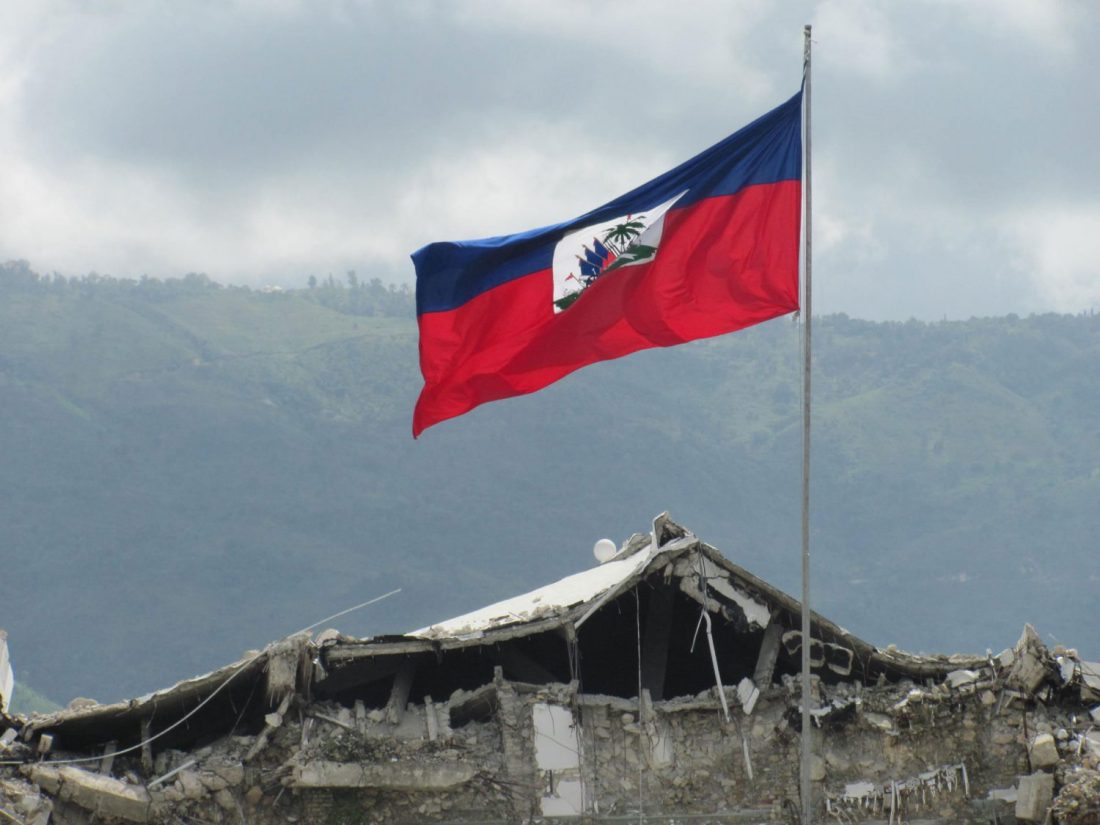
(399, 694)
(147, 744)
(769, 652)
(108, 760)
(1034, 797)
(392, 776)
(103, 796)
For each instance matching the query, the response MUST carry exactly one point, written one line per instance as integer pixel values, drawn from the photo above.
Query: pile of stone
(494, 717)
(1078, 802)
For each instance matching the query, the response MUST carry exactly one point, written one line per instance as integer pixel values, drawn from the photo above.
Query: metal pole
(807, 753)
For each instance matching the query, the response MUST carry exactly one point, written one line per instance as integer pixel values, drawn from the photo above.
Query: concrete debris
(537, 708)
(272, 721)
(1078, 801)
(386, 776)
(1034, 796)
(1004, 794)
(284, 660)
(100, 795)
(1044, 753)
(900, 798)
(959, 678)
(1090, 681)
(24, 802)
(1030, 662)
(747, 694)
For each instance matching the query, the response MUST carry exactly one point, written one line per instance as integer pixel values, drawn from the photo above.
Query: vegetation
(190, 470)
(25, 701)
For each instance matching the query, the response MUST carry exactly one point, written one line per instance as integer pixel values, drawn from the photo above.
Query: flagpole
(806, 787)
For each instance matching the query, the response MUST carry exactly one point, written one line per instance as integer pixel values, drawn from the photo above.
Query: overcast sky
(955, 143)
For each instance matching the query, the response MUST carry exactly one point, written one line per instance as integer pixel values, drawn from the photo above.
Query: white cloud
(1049, 27)
(705, 44)
(520, 184)
(259, 141)
(858, 36)
(844, 225)
(1059, 248)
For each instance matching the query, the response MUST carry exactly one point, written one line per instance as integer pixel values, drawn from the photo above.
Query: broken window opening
(831, 661)
(369, 682)
(608, 645)
(479, 706)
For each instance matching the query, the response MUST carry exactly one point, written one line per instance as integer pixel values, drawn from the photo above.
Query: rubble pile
(314, 762)
(1078, 802)
(592, 702)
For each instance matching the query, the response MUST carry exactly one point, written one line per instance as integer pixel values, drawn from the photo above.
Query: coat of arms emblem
(592, 252)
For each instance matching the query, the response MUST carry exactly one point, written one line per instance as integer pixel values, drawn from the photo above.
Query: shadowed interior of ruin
(239, 708)
(656, 616)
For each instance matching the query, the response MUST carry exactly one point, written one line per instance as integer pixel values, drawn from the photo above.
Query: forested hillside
(191, 470)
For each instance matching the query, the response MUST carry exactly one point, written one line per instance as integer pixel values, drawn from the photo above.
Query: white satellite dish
(605, 550)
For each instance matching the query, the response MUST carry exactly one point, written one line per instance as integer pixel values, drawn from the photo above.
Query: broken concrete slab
(1044, 751)
(284, 660)
(1034, 796)
(747, 694)
(98, 794)
(959, 678)
(387, 776)
(1090, 681)
(1029, 665)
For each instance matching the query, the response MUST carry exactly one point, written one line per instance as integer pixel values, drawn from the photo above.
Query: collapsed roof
(551, 702)
(664, 591)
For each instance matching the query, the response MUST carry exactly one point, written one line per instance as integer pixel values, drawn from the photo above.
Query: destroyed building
(659, 686)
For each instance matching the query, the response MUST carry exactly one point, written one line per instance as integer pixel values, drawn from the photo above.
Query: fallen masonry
(660, 686)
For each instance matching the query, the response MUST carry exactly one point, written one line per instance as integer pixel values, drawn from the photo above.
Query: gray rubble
(540, 709)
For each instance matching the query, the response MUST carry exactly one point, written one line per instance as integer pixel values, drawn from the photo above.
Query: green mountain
(25, 701)
(192, 470)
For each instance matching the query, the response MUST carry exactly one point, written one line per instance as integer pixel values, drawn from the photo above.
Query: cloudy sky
(260, 141)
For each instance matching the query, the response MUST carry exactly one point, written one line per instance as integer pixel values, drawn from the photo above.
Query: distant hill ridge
(190, 470)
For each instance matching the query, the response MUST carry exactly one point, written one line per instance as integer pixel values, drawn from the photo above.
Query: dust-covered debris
(540, 708)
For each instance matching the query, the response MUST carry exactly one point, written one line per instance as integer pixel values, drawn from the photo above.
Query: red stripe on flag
(723, 264)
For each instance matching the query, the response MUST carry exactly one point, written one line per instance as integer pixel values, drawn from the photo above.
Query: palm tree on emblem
(621, 236)
(622, 240)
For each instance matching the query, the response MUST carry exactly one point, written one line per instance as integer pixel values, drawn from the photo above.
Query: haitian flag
(707, 248)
